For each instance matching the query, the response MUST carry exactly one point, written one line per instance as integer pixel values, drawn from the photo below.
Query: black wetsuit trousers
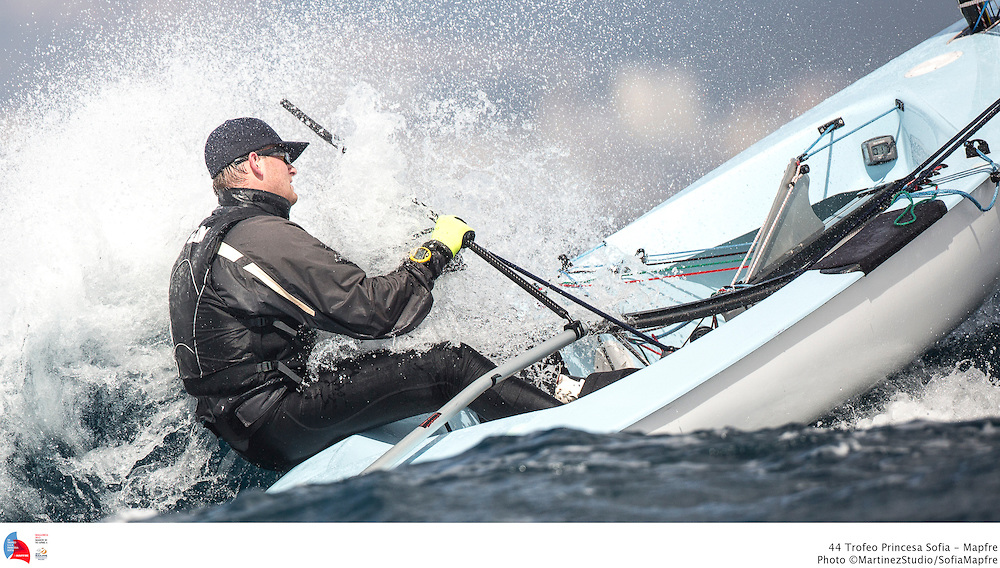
(379, 388)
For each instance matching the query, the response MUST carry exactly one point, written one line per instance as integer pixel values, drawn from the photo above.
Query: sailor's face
(278, 173)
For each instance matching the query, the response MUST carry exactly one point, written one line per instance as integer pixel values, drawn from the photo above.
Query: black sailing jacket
(248, 288)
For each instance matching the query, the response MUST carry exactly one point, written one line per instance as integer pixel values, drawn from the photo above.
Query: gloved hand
(453, 233)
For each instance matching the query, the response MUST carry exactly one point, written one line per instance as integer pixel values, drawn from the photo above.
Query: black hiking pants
(377, 389)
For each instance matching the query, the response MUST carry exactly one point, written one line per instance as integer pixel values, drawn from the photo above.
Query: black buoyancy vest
(198, 320)
(220, 353)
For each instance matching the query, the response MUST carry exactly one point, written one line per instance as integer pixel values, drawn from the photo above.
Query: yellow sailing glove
(452, 232)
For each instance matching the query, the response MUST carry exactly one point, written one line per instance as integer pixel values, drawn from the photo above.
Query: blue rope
(669, 331)
(806, 155)
(828, 131)
(989, 161)
(932, 194)
(981, 12)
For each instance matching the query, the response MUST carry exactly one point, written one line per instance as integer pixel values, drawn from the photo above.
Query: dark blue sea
(546, 125)
(920, 471)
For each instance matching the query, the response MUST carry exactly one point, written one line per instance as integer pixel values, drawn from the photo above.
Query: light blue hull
(819, 340)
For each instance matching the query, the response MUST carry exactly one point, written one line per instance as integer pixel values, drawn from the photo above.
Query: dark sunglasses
(275, 152)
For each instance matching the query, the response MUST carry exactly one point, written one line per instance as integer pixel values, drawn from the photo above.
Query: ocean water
(918, 471)
(921, 446)
(541, 132)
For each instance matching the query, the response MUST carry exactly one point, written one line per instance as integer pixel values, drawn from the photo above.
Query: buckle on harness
(282, 368)
(261, 322)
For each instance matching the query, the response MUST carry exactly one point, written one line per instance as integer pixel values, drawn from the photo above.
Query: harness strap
(261, 322)
(282, 326)
(281, 368)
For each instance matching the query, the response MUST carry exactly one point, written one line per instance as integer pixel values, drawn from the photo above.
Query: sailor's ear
(255, 166)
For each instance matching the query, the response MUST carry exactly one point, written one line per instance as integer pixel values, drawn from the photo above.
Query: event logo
(15, 549)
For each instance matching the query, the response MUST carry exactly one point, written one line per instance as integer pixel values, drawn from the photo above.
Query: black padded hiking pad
(880, 239)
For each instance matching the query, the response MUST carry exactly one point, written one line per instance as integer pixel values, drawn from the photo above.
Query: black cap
(238, 137)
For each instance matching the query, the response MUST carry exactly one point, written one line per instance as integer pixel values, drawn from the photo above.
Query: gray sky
(636, 87)
(735, 48)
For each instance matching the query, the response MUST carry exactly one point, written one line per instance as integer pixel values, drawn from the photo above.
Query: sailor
(250, 289)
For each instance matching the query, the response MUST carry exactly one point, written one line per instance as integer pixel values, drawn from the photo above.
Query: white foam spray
(955, 382)
(104, 179)
(954, 397)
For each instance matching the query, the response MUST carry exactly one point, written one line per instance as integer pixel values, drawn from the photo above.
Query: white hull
(821, 339)
(879, 323)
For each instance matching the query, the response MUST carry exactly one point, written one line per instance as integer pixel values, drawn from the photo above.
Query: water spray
(505, 267)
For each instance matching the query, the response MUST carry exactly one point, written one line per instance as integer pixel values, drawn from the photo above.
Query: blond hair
(230, 176)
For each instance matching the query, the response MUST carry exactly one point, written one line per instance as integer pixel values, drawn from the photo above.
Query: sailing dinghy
(792, 278)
